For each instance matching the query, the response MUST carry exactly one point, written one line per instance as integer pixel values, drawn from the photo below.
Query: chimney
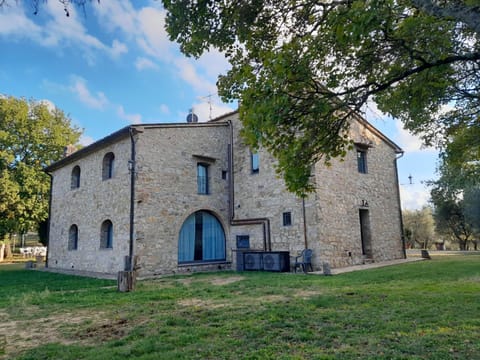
(69, 150)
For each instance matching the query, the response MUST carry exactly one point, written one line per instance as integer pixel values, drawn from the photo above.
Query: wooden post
(126, 281)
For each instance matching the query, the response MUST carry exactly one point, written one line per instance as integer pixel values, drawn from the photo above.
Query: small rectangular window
(243, 241)
(255, 162)
(362, 161)
(202, 179)
(287, 218)
(224, 174)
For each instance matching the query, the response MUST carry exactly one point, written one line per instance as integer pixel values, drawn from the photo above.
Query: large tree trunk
(2, 251)
(8, 251)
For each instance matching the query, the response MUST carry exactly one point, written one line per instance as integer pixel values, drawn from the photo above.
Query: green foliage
(450, 198)
(301, 68)
(31, 137)
(419, 228)
(387, 313)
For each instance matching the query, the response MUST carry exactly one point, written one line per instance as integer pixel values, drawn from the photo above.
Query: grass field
(421, 310)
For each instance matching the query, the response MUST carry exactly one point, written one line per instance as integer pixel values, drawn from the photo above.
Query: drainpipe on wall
(400, 205)
(129, 265)
(49, 217)
(265, 222)
(304, 224)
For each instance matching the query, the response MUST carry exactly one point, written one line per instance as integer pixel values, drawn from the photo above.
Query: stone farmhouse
(192, 197)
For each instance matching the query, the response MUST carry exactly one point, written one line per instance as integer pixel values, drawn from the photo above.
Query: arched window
(106, 235)
(73, 237)
(75, 180)
(107, 166)
(201, 239)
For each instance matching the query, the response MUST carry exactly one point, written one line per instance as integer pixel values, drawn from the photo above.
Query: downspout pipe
(304, 223)
(49, 216)
(132, 167)
(402, 234)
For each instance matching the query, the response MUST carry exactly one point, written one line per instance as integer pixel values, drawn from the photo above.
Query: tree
(456, 194)
(448, 198)
(471, 204)
(300, 68)
(31, 137)
(419, 227)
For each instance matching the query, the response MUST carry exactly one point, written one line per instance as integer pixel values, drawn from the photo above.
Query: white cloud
(373, 113)
(117, 15)
(414, 197)
(67, 30)
(131, 118)
(404, 138)
(147, 27)
(213, 63)
(408, 141)
(164, 109)
(14, 23)
(86, 140)
(189, 73)
(143, 63)
(118, 48)
(206, 111)
(49, 104)
(152, 37)
(79, 88)
(58, 31)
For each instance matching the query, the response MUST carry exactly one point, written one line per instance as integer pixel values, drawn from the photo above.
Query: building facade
(191, 197)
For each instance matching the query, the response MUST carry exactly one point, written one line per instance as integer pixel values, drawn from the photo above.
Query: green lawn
(421, 310)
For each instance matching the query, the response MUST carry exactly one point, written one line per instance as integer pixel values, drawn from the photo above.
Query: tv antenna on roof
(209, 101)
(410, 180)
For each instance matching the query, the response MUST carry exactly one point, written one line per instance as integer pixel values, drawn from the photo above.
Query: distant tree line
(452, 222)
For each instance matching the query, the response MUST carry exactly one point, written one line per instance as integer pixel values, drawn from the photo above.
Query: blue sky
(114, 65)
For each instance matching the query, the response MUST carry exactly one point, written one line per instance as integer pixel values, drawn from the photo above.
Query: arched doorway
(201, 239)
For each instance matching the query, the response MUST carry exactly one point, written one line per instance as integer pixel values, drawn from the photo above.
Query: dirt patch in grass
(194, 302)
(306, 294)
(220, 280)
(17, 336)
(185, 281)
(105, 330)
(226, 280)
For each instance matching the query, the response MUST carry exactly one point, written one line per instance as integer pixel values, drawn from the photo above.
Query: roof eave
(108, 140)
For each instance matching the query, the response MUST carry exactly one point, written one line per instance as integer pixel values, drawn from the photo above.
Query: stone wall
(166, 189)
(328, 221)
(87, 207)
(263, 194)
(166, 194)
(343, 191)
